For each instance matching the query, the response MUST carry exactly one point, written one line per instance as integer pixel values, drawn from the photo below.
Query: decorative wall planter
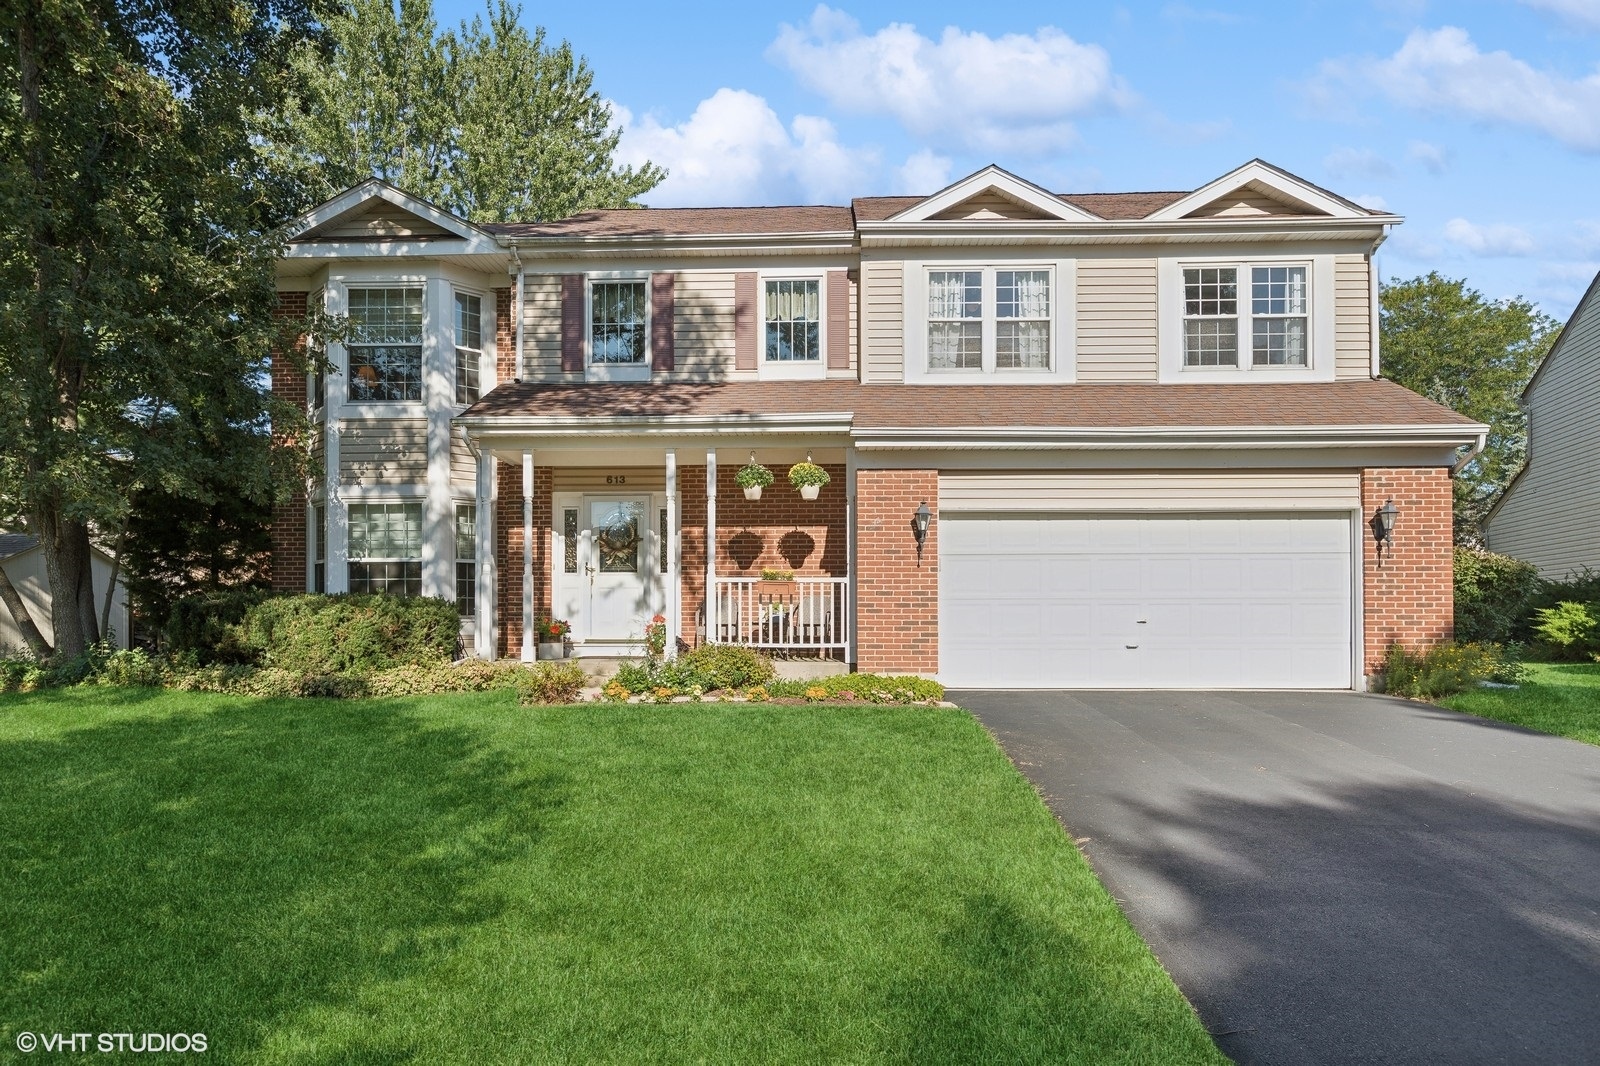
(774, 590)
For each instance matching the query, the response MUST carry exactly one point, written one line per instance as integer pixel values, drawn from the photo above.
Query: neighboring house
(1145, 427)
(23, 561)
(1550, 513)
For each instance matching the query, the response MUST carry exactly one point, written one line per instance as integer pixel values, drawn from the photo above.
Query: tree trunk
(19, 613)
(67, 562)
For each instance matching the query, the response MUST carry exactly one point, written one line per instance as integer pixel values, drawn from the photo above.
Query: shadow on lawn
(229, 872)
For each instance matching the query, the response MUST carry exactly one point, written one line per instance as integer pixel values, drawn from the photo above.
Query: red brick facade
(508, 551)
(897, 596)
(288, 564)
(505, 338)
(1409, 594)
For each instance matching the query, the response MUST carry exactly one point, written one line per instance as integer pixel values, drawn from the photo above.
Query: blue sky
(1477, 121)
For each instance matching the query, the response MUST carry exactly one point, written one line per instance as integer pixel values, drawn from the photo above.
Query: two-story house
(1091, 440)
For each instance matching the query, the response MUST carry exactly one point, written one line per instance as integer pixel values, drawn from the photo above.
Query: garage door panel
(1216, 601)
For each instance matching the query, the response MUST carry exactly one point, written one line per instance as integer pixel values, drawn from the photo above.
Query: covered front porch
(610, 533)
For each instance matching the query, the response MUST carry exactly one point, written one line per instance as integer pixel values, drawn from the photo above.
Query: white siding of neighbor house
(26, 571)
(1551, 515)
(883, 341)
(1352, 309)
(1152, 491)
(392, 452)
(1116, 320)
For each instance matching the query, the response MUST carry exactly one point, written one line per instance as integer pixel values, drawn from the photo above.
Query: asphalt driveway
(1334, 878)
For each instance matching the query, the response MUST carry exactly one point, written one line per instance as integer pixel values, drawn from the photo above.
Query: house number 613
(616, 479)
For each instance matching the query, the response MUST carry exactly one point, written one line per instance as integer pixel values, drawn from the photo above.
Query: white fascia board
(440, 247)
(1262, 173)
(376, 189)
(1368, 229)
(487, 427)
(1003, 182)
(1028, 437)
(820, 243)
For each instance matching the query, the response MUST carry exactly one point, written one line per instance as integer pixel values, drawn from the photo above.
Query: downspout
(1477, 450)
(1377, 302)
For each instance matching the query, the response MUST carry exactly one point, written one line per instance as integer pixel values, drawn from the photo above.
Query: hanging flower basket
(809, 478)
(753, 477)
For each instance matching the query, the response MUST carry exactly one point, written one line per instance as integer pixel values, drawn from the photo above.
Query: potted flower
(809, 478)
(553, 638)
(752, 477)
(655, 636)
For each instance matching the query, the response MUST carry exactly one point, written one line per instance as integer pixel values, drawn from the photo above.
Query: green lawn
(457, 879)
(1563, 698)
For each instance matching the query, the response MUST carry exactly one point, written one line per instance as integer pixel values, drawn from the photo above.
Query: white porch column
(483, 629)
(438, 394)
(674, 591)
(711, 546)
(527, 557)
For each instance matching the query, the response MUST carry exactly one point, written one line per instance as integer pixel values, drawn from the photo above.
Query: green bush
(207, 625)
(1570, 628)
(1494, 594)
(552, 682)
(1440, 670)
(22, 674)
(315, 634)
(875, 688)
(132, 668)
(728, 666)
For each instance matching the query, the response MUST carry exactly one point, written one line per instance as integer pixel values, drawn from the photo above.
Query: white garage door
(1227, 601)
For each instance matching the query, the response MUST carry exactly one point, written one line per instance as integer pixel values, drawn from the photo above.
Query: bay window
(385, 345)
(469, 346)
(385, 548)
(466, 559)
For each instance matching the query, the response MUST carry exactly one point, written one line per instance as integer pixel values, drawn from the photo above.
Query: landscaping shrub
(552, 682)
(876, 688)
(131, 667)
(1570, 629)
(728, 666)
(1494, 596)
(206, 625)
(315, 634)
(1440, 670)
(21, 674)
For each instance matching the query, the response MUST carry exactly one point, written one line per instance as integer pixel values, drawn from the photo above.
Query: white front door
(605, 581)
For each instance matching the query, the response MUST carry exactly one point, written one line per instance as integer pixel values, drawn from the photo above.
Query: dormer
(376, 219)
(992, 194)
(1259, 191)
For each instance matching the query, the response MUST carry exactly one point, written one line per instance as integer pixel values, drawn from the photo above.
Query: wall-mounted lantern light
(919, 526)
(1383, 526)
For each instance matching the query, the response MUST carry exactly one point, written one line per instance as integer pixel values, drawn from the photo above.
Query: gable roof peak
(992, 178)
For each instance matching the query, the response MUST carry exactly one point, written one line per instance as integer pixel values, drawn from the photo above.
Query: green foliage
(1454, 345)
(1440, 670)
(22, 674)
(1493, 595)
(487, 120)
(551, 682)
(807, 473)
(727, 666)
(342, 634)
(752, 474)
(1570, 628)
(874, 688)
(131, 668)
(137, 264)
(770, 574)
(206, 626)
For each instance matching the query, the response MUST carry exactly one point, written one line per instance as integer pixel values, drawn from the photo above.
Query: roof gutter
(741, 425)
(1477, 449)
(1452, 435)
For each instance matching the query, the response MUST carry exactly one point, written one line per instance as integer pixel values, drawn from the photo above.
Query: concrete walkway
(1334, 878)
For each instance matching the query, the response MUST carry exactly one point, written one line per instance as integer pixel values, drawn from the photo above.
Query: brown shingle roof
(1343, 403)
(681, 221)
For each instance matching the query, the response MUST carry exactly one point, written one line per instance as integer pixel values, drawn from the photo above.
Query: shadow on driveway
(1335, 878)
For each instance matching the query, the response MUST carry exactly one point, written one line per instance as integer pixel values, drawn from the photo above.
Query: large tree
(137, 254)
(488, 120)
(1454, 345)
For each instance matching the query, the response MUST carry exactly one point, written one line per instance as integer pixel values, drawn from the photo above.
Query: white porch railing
(811, 614)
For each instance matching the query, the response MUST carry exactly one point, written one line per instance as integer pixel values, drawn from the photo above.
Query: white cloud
(1019, 93)
(1433, 157)
(1372, 202)
(735, 150)
(1584, 13)
(1442, 70)
(923, 172)
(1357, 163)
(1494, 239)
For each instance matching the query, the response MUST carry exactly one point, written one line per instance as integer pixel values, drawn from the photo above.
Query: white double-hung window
(1239, 319)
(1004, 322)
(385, 345)
(619, 328)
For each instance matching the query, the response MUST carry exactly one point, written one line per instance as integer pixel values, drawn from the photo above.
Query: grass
(1562, 698)
(457, 879)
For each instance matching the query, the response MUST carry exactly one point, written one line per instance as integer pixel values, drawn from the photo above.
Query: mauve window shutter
(744, 321)
(572, 324)
(838, 320)
(661, 351)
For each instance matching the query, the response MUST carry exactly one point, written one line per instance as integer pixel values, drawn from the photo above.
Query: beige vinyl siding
(883, 303)
(1247, 203)
(1152, 491)
(1352, 317)
(1551, 515)
(541, 327)
(384, 453)
(1116, 320)
(637, 479)
(990, 204)
(702, 327)
(463, 467)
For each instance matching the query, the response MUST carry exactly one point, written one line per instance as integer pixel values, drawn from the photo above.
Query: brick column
(505, 339)
(897, 598)
(1408, 595)
(508, 551)
(288, 565)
